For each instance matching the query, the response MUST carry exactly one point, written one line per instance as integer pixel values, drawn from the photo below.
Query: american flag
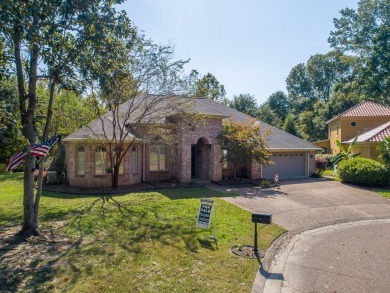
(39, 150)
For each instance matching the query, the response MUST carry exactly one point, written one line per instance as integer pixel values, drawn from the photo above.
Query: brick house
(194, 152)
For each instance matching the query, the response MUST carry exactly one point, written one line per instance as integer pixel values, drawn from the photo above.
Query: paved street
(350, 257)
(337, 241)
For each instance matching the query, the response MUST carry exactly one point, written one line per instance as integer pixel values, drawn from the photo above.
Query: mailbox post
(262, 219)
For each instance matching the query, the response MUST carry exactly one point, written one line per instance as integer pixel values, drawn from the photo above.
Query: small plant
(265, 183)
(345, 154)
(321, 164)
(365, 172)
(328, 158)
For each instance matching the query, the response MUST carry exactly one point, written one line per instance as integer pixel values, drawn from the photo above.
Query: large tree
(278, 102)
(289, 125)
(315, 81)
(244, 103)
(32, 31)
(365, 33)
(139, 97)
(267, 115)
(208, 87)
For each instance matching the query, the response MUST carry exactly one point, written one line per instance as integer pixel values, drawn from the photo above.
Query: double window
(159, 158)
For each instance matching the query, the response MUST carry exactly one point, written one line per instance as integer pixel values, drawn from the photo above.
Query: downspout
(143, 162)
(308, 164)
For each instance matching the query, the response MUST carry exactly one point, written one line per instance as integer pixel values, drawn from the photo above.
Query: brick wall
(189, 132)
(90, 179)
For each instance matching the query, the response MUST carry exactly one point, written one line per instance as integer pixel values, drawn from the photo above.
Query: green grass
(384, 192)
(137, 242)
(330, 174)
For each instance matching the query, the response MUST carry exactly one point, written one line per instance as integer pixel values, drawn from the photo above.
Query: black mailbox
(262, 218)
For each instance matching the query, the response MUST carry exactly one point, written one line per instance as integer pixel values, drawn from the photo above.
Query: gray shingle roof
(160, 109)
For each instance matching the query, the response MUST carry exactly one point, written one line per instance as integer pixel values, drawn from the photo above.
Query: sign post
(204, 215)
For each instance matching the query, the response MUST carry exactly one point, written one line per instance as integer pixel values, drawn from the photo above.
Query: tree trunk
(29, 224)
(41, 164)
(115, 177)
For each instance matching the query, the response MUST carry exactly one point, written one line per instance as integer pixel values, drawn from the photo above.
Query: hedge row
(365, 172)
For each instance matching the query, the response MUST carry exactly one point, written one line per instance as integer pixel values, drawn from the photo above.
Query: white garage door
(287, 165)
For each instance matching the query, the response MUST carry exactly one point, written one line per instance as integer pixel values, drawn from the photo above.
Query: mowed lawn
(136, 242)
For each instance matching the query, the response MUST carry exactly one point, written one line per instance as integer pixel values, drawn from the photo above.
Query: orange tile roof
(365, 109)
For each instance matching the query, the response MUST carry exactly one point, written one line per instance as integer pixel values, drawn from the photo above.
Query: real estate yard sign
(204, 215)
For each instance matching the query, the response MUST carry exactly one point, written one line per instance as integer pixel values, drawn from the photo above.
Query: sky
(250, 46)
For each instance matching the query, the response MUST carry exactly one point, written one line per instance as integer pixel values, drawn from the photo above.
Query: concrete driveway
(338, 239)
(302, 204)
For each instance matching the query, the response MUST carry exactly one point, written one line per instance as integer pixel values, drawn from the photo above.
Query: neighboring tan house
(196, 151)
(368, 121)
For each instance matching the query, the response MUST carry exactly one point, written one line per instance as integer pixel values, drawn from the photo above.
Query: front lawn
(137, 242)
(384, 192)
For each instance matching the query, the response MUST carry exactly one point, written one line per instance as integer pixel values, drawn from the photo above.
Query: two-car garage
(286, 165)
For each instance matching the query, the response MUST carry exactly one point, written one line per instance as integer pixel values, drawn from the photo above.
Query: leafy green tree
(278, 103)
(31, 31)
(267, 115)
(70, 111)
(315, 81)
(289, 125)
(300, 92)
(244, 103)
(311, 124)
(244, 143)
(208, 87)
(10, 137)
(365, 33)
(324, 71)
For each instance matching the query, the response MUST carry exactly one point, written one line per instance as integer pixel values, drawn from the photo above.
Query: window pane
(100, 162)
(153, 159)
(80, 162)
(164, 158)
(134, 160)
(226, 164)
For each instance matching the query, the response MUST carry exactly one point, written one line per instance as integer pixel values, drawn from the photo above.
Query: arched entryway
(200, 159)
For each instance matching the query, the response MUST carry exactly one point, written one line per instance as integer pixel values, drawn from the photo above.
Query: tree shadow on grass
(103, 228)
(191, 193)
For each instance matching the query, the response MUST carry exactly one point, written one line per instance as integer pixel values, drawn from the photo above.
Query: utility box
(51, 177)
(261, 218)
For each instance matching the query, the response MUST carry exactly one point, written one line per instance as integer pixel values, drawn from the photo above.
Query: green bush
(365, 172)
(2, 168)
